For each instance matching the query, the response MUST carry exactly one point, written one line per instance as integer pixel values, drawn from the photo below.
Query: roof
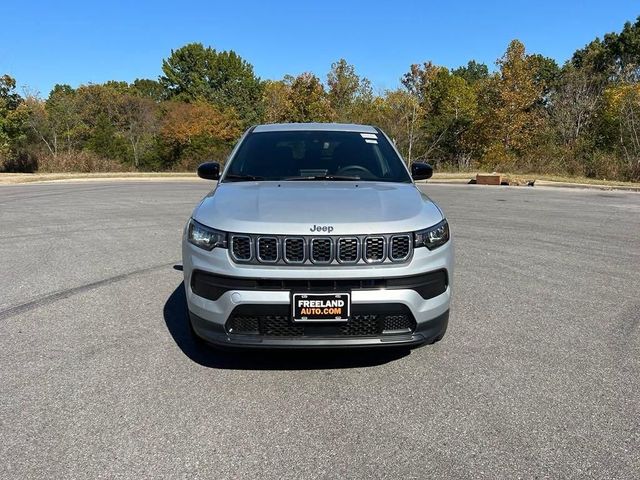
(335, 127)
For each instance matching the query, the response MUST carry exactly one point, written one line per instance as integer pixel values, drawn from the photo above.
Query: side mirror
(421, 171)
(209, 171)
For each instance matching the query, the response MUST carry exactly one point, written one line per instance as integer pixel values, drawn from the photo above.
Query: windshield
(316, 155)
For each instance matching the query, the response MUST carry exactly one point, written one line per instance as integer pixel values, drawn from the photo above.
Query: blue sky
(44, 43)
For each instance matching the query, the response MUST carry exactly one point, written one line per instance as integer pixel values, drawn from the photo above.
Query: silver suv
(316, 236)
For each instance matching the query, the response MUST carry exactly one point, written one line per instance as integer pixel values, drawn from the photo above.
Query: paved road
(538, 376)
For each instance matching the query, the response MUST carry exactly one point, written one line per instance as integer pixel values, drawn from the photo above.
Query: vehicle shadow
(175, 317)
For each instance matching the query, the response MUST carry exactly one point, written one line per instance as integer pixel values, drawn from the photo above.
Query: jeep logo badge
(321, 228)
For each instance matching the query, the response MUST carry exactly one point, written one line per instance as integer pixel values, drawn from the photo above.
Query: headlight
(205, 237)
(432, 237)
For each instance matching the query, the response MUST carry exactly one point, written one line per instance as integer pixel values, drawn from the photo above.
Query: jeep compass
(316, 236)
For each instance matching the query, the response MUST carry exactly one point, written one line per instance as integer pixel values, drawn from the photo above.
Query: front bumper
(209, 317)
(215, 334)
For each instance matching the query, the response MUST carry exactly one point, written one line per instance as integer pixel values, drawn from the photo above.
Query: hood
(294, 208)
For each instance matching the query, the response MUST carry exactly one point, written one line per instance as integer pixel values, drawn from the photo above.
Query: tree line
(529, 115)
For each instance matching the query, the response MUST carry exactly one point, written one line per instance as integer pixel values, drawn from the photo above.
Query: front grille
(294, 250)
(400, 247)
(241, 247)
(321, 250)
(268, 249)
(348, 250)
(374, 249)
(275, 321)
(326, 250)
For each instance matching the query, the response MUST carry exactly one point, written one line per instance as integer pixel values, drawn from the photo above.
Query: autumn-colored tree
(518, 93)
(418, 81)
(510, 119)
(183, 122)
(276, 101)
(198, 131)
(344, 85)
(308, 99)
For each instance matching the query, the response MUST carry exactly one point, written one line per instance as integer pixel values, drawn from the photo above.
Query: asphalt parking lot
(538, 376)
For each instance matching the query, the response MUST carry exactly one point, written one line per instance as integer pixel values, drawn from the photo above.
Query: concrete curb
(539, 183)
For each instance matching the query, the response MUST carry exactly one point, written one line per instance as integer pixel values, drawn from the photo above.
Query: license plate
(321, 307)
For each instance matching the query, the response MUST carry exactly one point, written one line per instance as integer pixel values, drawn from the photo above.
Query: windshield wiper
(242, 178)
(323, 177)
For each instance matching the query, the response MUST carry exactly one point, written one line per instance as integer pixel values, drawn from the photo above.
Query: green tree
(453, 108)
(198, 73)
(472, 72)
(13, 130)
(616, 56)
(65, 124)
(137, 122)
(8, 102)
(148, 89)
(104, 139)
(546, 72)
(448, 105)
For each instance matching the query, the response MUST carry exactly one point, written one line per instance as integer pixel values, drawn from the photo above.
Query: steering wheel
(354, 168)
